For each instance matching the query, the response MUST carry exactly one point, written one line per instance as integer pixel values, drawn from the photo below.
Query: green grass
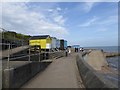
(14, 36)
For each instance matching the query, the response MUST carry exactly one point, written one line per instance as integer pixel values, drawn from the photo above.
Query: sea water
(105, 48)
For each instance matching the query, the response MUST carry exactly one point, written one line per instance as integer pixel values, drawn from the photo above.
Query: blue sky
(83, 23)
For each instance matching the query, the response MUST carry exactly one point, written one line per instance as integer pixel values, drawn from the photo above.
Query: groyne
(111, 54)
(91, 78)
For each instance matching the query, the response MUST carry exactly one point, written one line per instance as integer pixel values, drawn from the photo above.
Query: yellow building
(44, 41)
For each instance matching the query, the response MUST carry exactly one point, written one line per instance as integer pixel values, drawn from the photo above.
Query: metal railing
(8, 54)
(13, 58)
(25, 56)
(10, 58)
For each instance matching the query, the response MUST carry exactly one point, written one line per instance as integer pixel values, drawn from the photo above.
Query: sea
(114, 62)
(105, 48)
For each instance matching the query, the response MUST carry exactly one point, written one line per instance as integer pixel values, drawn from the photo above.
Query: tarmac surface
(61, 73)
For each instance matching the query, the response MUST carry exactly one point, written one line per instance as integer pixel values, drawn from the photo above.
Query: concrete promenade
(61, 73)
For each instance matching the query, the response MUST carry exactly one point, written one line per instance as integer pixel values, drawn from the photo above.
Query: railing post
(29, 53)
(45, 54)
(39, 55)
(8, 62)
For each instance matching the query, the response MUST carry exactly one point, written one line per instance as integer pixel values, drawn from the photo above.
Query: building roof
(53, 37)
(63, 40)
(40, 37)
(76, 46)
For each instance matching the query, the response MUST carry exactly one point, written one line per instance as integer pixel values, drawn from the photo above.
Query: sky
(83, 23)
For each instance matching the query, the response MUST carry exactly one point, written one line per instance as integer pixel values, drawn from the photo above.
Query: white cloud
(88, 6)
(109, 20)
(58, 9)
(89, 22)
(101, 30)
(59, 19)
(18, 17)
(85, 7)
(57, 16)
(97, 21)
(50, 10)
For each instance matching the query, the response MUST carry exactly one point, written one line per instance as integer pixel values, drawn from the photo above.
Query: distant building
(58, 44)
(63, 44)
(48, 43)
(69, 46)
(54, 40)
(75, 46)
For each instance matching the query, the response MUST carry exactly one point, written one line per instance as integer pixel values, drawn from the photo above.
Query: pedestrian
(69, 51)
(75, 49)
(66, 52)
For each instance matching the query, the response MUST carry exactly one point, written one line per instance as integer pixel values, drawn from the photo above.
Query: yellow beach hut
(44, 41)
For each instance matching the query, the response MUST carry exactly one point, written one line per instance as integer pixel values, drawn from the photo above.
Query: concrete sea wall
(15, 77)
(90, 77)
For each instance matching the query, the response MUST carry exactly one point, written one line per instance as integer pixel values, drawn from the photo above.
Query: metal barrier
(5, 46)
(12, 57)
(28, 55)
(8, 57)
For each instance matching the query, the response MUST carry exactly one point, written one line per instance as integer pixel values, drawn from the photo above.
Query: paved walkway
(61, 73)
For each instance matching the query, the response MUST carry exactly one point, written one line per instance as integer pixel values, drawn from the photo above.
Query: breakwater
(91, 78)
(111, 54)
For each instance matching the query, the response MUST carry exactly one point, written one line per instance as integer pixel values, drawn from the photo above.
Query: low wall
(90, 77)
(16, 77)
